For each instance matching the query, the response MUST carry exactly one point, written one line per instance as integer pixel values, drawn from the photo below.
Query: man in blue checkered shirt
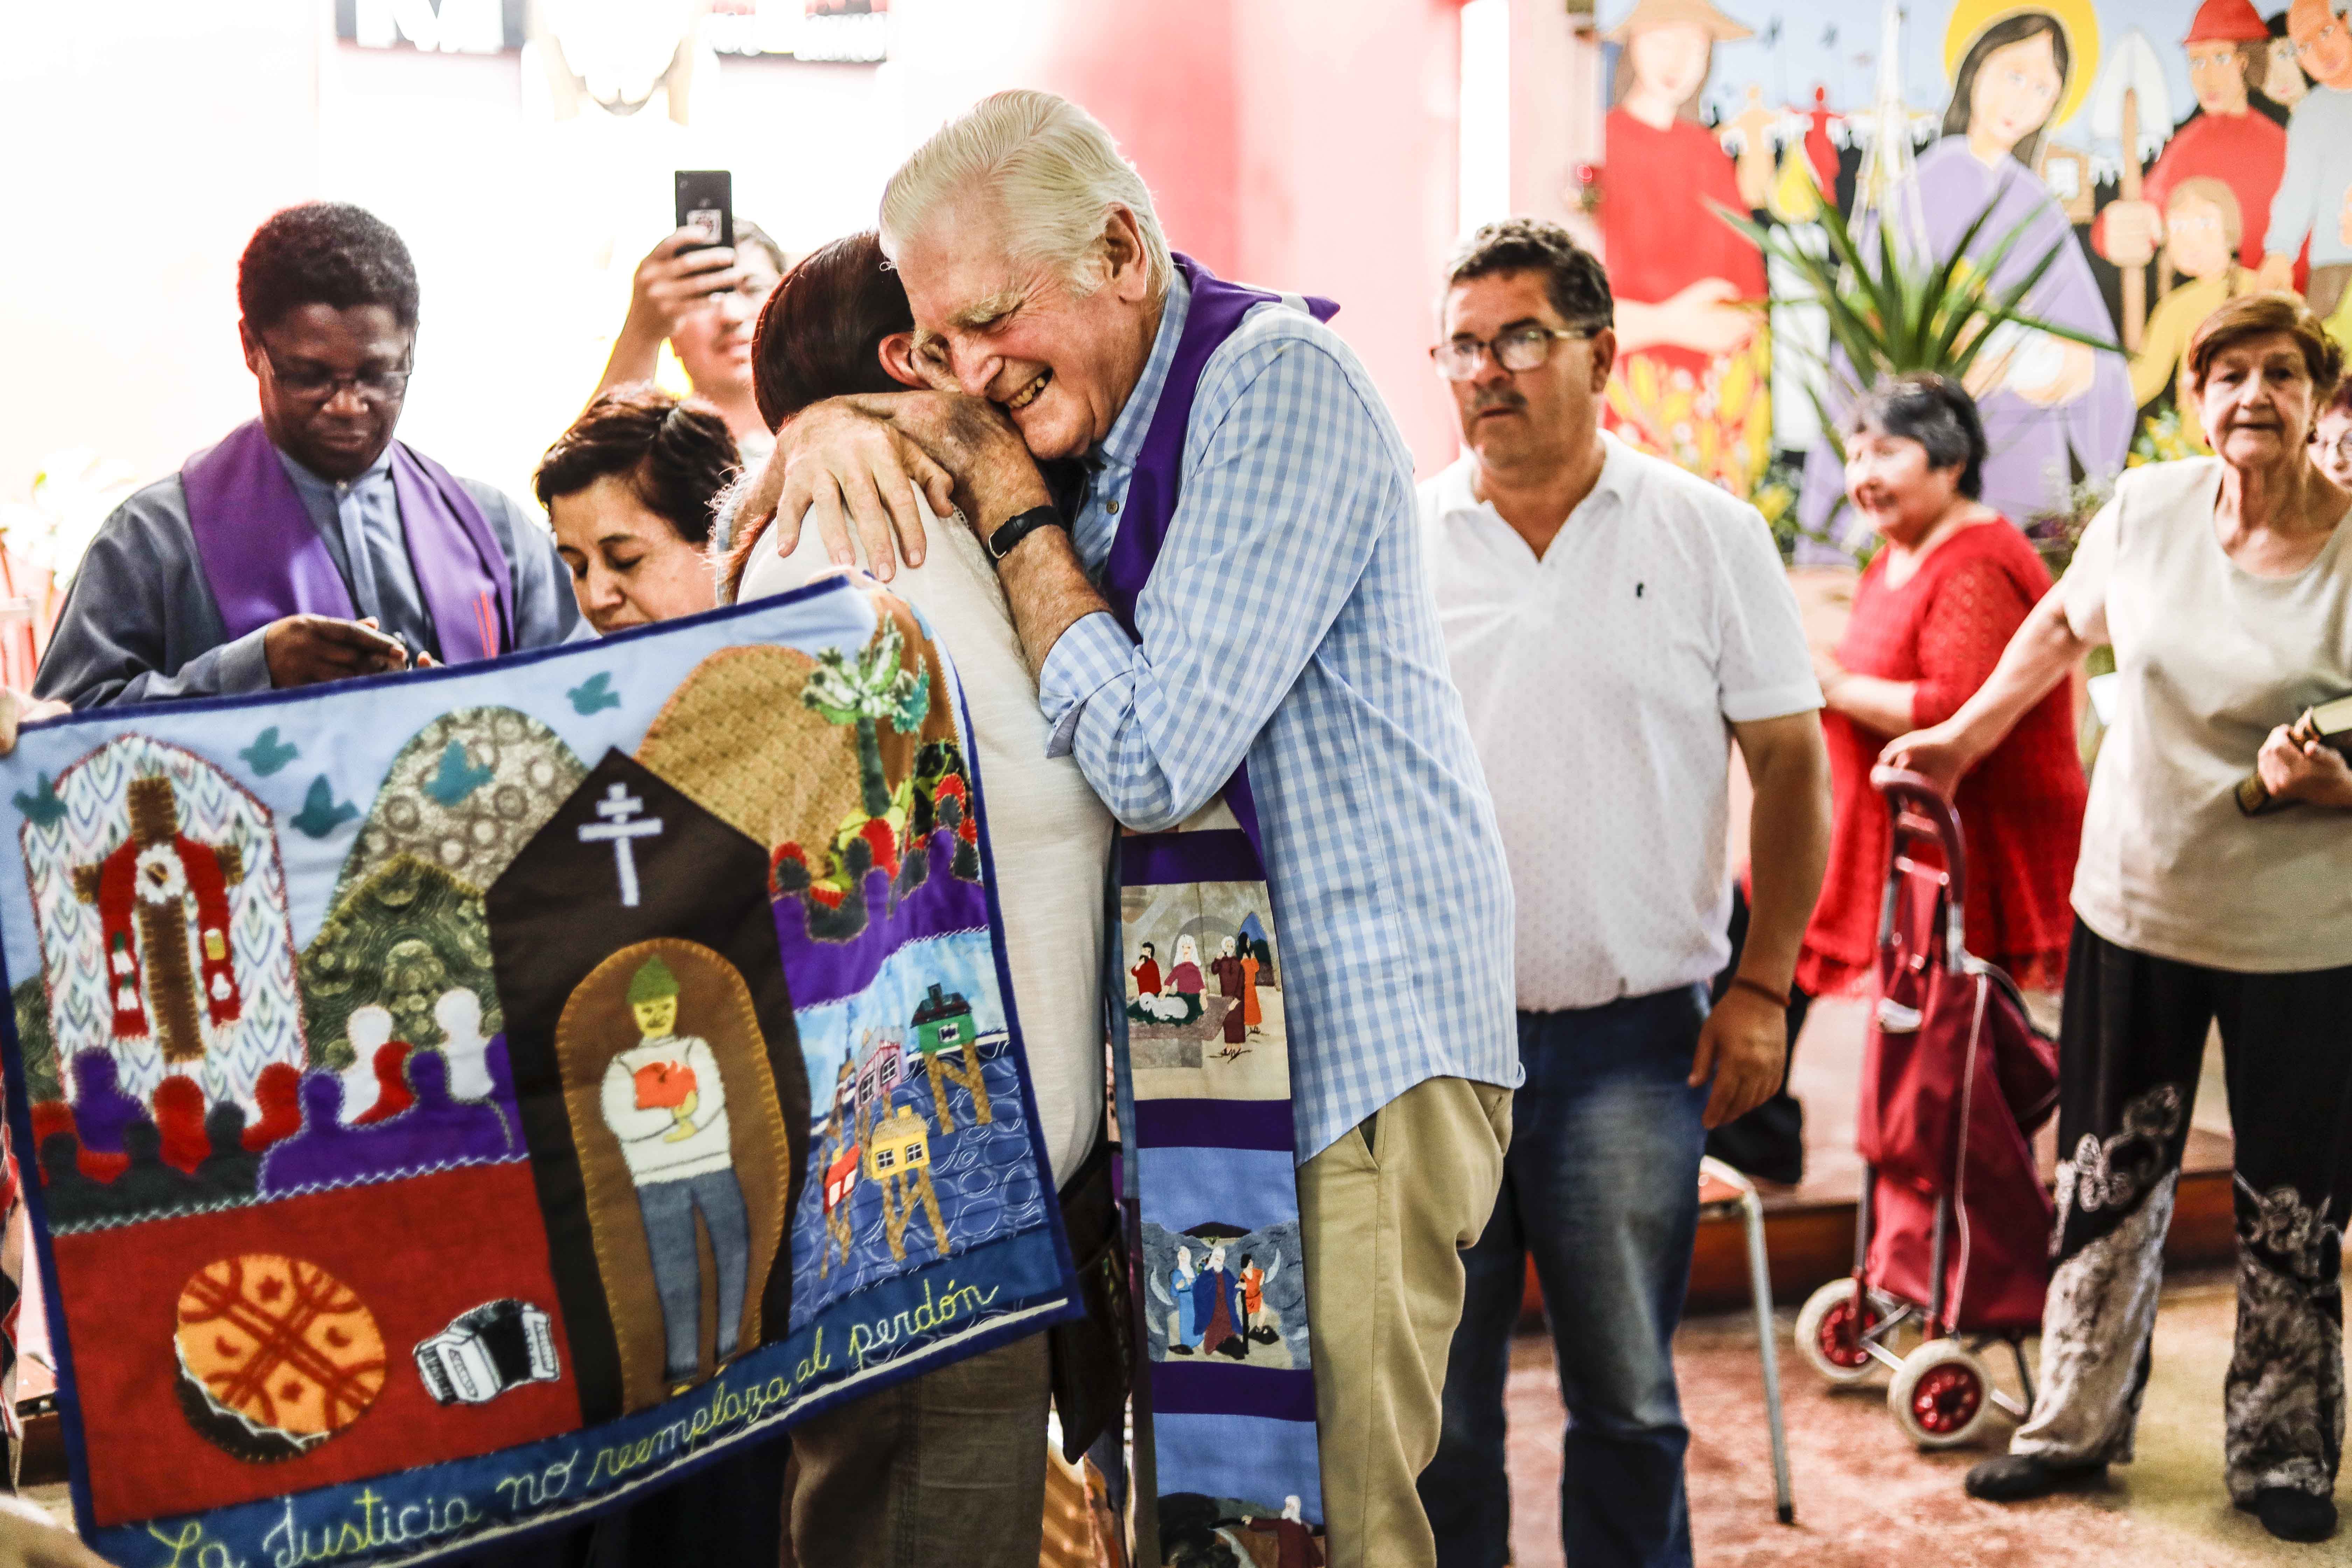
(1288, 622)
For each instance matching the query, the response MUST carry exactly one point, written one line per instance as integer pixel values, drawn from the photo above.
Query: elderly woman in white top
(2225, 587)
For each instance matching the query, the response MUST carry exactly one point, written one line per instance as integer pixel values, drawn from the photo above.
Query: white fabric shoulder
(2152, 486)
(2154, 496)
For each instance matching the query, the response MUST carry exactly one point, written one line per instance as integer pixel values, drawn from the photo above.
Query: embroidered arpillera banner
(466, 1098)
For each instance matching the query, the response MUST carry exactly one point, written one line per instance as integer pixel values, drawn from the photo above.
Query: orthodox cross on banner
(617, 808)
(142, 891)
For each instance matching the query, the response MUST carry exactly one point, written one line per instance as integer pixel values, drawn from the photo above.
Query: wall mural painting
(2182, 152)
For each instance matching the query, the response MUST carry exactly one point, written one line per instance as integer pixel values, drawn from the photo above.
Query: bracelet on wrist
(1777, 998)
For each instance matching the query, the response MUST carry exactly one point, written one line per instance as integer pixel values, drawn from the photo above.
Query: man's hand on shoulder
(995, 476)
(842, 465)
(304, 651)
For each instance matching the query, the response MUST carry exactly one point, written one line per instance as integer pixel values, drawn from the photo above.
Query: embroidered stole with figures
(1226, 1415)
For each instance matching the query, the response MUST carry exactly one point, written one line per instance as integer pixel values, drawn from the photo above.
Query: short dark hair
(820, 333)
(1574, 280)
(2258, 316)
(324, 253)
(1933, 410)
(677, 455)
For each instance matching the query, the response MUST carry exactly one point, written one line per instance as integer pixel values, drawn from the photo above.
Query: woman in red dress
(1931, 615)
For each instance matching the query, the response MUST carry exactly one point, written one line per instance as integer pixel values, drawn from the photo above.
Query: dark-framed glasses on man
(310, 382)
(1515, 349)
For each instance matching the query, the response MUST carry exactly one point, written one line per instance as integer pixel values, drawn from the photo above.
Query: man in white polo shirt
(1613, 623)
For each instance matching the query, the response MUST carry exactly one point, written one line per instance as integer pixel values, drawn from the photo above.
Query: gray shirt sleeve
(546, 612)
(140, 623)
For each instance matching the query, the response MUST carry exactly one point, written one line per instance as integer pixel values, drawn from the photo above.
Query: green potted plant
(1891, 310)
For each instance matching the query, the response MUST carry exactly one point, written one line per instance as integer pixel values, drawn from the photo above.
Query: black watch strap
(1013, 530)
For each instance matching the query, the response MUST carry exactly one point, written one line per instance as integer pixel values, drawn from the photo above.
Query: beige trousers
(1385, 1212)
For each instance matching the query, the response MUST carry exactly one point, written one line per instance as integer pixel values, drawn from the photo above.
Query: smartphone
(706, 203)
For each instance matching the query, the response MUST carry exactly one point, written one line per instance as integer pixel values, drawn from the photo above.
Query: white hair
(1050, 171)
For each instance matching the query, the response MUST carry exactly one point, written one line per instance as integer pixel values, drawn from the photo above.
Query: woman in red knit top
(1931, 616)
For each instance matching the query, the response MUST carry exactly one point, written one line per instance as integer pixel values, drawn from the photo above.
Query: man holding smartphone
(308, 545)
(701, 291)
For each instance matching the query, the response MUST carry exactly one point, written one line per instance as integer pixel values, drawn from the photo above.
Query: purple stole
(1226, 1406)
(264, 559)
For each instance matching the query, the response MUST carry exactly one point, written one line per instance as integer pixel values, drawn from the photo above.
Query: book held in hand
(2330, 722)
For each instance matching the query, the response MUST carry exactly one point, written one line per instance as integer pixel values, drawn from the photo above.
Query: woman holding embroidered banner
(2224, 585)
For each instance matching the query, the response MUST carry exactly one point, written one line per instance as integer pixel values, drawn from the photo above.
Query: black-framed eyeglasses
(1515, 349)
(311, 385)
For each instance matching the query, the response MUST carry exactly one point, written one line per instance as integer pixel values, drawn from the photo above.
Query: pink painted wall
(1556, 112)
(1307, 146)
(1349, 181)
(1177, 119)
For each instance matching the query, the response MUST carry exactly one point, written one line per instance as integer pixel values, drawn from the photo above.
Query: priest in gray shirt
(308, 545)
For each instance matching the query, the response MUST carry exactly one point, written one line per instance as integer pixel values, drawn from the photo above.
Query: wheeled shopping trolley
(1952, 1228)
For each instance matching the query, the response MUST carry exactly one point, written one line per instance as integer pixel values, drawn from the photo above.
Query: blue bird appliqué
(595, 694)
(457, 778)
(267, 753)
(322, 813)
(42, 808)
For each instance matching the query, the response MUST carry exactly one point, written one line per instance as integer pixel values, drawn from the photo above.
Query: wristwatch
(1012, 531)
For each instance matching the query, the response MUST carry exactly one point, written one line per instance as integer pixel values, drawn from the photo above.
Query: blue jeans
(668, 1209)
(1601, 1187)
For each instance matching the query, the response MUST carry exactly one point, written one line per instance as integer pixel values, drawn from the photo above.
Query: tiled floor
(1865, 1499)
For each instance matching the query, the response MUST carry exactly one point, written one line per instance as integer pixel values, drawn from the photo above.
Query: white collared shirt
(1601, 681)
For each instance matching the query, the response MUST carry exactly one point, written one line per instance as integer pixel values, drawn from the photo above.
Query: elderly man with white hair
(1227, 614)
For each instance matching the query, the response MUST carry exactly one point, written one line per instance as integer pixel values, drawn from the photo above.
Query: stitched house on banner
(582, 1063)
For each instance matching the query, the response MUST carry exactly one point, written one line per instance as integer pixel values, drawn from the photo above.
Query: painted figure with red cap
(2228, 47)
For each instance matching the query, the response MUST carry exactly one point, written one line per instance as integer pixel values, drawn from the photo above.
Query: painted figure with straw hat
(1692, 368)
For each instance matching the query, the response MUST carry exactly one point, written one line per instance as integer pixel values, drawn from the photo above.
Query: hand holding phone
(303, 651)
(678, 278)
(706, 203)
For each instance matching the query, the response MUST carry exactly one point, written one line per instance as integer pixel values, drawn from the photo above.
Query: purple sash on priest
(1225, 1401)
(264, 559)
